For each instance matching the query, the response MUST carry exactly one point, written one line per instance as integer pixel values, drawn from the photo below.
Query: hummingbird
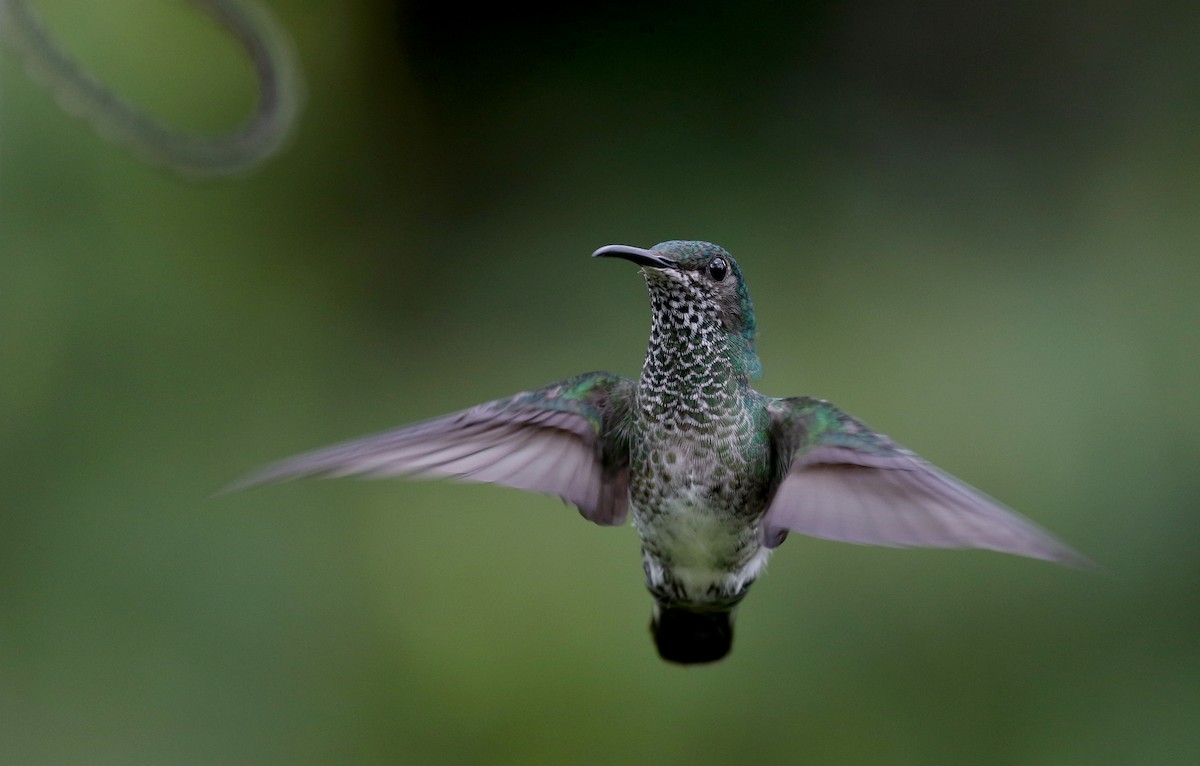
(714, 473)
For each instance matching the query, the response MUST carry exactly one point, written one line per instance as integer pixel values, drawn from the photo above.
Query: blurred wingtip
(1076, 560)
(269, 474)
(1053, 551)
(246, 482)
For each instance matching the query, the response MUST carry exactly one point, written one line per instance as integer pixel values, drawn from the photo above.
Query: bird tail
(690, 635)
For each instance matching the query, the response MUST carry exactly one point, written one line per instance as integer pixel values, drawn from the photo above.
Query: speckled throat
(699, 459)
(688, 380)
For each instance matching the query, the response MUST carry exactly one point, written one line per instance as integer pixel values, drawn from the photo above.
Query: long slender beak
(637, 255)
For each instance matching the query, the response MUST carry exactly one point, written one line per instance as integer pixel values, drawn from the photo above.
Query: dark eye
(718, 269)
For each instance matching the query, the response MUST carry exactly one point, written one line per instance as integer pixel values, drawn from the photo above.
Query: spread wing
(842, 481)
(565, 439)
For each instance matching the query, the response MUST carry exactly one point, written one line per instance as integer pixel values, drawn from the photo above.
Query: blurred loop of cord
(78, 92)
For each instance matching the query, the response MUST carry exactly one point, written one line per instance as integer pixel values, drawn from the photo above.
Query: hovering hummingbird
(714, 473)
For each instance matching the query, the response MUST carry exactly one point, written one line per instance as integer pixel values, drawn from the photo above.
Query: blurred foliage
(973, 225)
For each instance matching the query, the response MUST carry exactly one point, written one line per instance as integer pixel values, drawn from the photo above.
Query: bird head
(694, 285)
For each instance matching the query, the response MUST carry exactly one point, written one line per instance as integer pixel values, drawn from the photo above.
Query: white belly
(698, 550)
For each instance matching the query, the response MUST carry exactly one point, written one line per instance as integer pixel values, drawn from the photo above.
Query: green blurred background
(974, 225)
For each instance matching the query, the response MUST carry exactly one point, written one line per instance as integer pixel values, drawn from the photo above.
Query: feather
(848, 483)
(547, 441)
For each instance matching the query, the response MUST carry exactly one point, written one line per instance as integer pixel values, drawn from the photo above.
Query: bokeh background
(974, 225)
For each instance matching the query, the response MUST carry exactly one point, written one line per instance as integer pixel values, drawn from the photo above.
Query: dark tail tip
(692, 637)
